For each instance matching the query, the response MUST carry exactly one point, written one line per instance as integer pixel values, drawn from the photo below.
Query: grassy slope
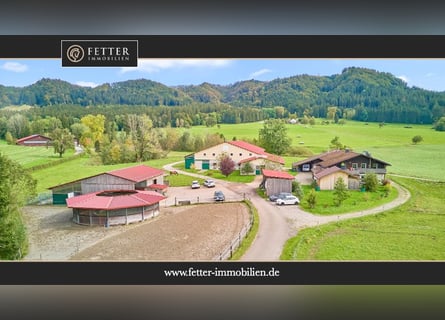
(413, 231)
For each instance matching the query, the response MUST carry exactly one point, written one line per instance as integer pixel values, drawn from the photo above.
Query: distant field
(30, 156)
(391, 143)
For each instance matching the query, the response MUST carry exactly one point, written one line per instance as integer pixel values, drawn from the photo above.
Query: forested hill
(358, 93)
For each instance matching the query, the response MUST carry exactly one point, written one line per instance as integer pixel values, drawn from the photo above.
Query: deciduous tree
(273, 136)
(226, 164)
(417, 139)
(62, 139)
(16, 185)
(370, 182)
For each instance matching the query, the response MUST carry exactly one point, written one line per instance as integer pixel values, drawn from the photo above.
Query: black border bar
(290, 273)
(233, 46)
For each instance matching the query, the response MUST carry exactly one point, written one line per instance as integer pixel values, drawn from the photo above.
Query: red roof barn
(114, 207)
(35, 140)
(140, 177)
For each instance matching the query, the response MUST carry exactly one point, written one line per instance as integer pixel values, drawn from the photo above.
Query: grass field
(390, 143)
(30, 156)
(413, 231)
(357, 201)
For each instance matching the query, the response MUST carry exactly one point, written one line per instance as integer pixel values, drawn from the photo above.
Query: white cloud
(429, 75)
(15, 67)
(259, 73)
(87, 84)
(404, 78)
(156, 65)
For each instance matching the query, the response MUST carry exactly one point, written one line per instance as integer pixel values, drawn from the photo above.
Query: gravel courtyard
(197, 232)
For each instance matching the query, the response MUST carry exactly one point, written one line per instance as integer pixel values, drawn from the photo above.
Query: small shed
(275, 182)
(35, 140)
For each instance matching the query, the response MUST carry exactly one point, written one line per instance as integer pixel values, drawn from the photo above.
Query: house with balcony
(352, 166)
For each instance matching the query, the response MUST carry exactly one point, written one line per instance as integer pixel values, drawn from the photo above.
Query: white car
(195, 185)
(209, 183)
(289, 199)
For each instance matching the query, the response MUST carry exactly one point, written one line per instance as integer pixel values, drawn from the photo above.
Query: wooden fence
(236, 242)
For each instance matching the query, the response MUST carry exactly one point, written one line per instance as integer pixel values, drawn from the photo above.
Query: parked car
(209, 183)
(219, 196)
(274, 197)
(288, 200)
(195, 185)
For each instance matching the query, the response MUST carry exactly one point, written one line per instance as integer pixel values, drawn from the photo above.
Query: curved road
(278, 224)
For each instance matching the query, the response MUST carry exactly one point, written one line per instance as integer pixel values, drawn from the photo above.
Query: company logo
(75, 53)
(99, 53)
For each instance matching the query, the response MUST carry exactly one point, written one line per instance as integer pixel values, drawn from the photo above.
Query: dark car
(219, 196)
(275, 197)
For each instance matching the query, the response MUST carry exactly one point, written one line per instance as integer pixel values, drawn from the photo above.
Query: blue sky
(424, 73)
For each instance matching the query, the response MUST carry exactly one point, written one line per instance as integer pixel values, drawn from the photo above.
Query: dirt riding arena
(197, 232)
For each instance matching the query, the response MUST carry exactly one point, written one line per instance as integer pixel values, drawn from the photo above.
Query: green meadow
(30, 156)
(391, 143)
(413, 231)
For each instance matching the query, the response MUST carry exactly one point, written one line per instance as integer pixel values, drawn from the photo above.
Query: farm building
(240, 152)
(115, 207)
(354, 164)
(35, 140)
(326, 178)
(139, 177)
(275, 182)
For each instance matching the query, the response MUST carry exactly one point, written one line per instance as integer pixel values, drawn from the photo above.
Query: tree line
(357, 93)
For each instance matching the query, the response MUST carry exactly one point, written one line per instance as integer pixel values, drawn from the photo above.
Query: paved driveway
(279, 223)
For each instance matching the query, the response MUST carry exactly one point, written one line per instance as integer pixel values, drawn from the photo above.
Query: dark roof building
(330, 164)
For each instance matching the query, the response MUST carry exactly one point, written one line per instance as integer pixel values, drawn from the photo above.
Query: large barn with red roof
(115, 197)
(140, 177)
(240, 152)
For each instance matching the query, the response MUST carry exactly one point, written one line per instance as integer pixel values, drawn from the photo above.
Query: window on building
(250, 154)
(306, 167)
(213, 154)
(205, 154)
(376, 165)
(363, 165)
(354, 166)
(240, 154)
(231, 154)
